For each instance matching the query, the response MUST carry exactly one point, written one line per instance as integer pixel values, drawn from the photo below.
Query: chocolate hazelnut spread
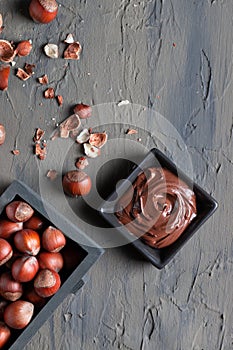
(158, 207)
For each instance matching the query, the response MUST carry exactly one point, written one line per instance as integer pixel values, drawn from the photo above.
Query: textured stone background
(174, 56)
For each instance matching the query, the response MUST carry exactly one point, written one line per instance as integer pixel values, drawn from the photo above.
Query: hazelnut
(27, 241)
(76, 183)
(43, 11)
(2, 134)
(53, 239)
(7, 228)
(17, 315)
(24, 48)
(6, 251)
(4, 76)
(51, 261)
(25, 268)
(9, 288)
(5, 334)
(34, 298)
(47, 283)
(18, 211)
(34, 223)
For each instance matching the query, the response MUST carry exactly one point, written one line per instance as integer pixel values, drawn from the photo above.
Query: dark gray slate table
(175, 57)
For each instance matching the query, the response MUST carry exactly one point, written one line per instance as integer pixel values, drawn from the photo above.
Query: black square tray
(90, 252)
(206, 206)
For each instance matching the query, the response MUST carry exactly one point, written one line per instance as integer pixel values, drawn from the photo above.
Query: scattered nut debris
(83, 136)
(1, 24)
(43, 80)
(69, 39)
(67, 317)
(73, 51)
(98, 139)
(24, 48)
(40, 152)
(2, 134)
(91, 151)
(60, 100)
(52, 174)
(83, 111)
(16, 152)
(123, 103)
(82, 163)
(131, 132)
(22, 74)
(29, 68)
(139, 139)
(49, 93)
(4, 76)
(7, 52)
(70, 124)
(51, 50)
(38, 135)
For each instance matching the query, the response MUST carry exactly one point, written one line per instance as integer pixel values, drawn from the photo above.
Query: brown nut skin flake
(83, 111)
(49, 93)
(38, 135)
(60, 100)
(4, 77)
(43, 80)
(98, 139)
(2, 134)
(73, 51)
(131, 132)
(7, 52)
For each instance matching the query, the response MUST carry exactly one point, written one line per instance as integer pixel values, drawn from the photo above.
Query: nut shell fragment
(21, 74)
(82, 163)
(131, 132)
(49, 93)
(2, 134)
(38, 135)
(7, 52)
(69, 39)
(98, 139)
(43, 80)
(91, 151)
(51, 50)
(83, 136)
(70, 124)
(60, 100)
(73, 51)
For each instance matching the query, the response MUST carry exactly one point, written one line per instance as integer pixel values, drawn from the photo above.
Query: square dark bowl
(159, 257)
(72, 278)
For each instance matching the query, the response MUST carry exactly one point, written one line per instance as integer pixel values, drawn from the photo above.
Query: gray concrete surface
(174, 56)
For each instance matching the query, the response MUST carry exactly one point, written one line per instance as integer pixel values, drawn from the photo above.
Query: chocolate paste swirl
(158, 207)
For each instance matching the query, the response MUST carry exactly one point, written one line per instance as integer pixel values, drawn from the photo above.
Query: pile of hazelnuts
(30, 260)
